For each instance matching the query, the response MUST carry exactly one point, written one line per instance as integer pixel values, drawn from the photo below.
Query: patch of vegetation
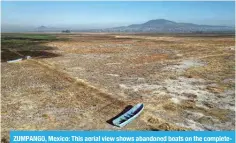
(30, 36)
(45, 116)
(22, 41)
(150, 58)
(221, 114)
(25, 44)
(216, 70)
(171, 106)
(167, 127)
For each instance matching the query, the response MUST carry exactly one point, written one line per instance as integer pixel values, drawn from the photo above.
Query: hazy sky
(109, 14)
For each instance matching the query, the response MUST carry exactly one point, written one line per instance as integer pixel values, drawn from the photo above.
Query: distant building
(65, 31)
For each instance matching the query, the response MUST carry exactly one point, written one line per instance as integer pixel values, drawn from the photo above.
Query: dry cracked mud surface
(185, 83)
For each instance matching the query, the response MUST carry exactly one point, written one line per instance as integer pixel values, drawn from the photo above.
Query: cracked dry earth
(185, 83)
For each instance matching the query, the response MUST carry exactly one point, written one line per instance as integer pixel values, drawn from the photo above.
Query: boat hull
(128, 116)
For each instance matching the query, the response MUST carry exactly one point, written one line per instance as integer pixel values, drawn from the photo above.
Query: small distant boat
(128, 116)
(14, 61)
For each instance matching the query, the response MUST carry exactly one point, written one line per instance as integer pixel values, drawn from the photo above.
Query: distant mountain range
(167, 26)
(152, 26)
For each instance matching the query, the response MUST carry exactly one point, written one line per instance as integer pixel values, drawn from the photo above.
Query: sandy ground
(185, 83)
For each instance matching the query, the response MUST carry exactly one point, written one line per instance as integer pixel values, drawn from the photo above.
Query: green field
(18, 45)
